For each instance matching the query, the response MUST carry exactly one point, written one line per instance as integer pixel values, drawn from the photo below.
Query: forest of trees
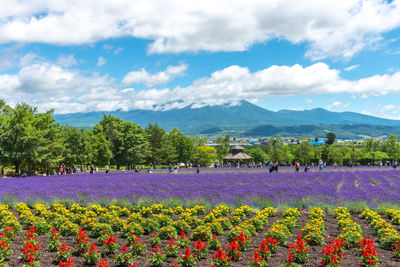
(33, 142)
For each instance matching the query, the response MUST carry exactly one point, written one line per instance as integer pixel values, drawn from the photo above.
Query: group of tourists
(273, 166)
(297, 165)
(64, 169)
(173, 168)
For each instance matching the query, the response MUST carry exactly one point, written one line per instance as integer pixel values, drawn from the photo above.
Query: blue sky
(74, 56)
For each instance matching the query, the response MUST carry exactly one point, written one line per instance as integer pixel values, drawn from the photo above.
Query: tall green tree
(223, 146)
(99, 147)
(184, 145)
(155, 136)
(207, 155)
(303, 152)
(128, 141)
(76, 146)
(167, 153)
(24, 134)
(330, 138)
(392, 146)
(257, 154)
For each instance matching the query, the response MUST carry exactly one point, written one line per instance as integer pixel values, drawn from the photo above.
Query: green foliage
(207, 154)
(223, 146)
(330, 138)
(258, 154)
(33, 143)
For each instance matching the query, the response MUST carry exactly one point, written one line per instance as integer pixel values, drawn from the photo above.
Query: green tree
(303, 152)
(24, 133)
(392, 146)
(99, 147)
(167, 153)
(336, 155)
(324, 153)
(75, 146)
(155, 136)
(330, 138)
(128, 141)
(287, 155)
(222, 147)
(257, 154)
(208, 154)
(379, 155)
(184, 145)
(133, 143)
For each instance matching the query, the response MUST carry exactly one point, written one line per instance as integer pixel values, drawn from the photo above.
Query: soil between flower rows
(351, 257)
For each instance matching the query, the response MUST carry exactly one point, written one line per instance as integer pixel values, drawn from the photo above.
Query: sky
(84, 55)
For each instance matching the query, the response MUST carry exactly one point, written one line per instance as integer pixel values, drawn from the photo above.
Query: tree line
(371, 151)
(34, 142)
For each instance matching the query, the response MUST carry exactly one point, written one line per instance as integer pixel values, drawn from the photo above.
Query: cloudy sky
(77, 56)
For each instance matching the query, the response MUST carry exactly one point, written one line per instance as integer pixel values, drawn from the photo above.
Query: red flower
(220, 254)
(54, 231)
(188, 254)
(103, 263)
(156, 249)
(30, 259)
(171, 242)
(110, 240)
(290, 257)
(3, 244)
(183, 236)
(257, 258)
(63, 248)
(69, 263)
(199, 245)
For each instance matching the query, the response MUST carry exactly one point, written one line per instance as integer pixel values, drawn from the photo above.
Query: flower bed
(116, 236)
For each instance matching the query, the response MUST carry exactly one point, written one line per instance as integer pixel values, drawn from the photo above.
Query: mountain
(240, 119)
(323, 116)
(343, 131)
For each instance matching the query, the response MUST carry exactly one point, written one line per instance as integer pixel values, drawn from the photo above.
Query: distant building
(319, 143)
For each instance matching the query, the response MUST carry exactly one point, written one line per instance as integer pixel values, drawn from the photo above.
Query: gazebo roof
(240, 155)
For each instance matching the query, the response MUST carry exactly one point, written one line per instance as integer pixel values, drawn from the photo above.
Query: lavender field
(333, 187)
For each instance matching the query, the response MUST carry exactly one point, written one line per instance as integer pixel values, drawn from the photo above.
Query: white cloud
(309, 101)
(337, 104)
(118, 50)
(50, 85)
(390, 111)
(10, 56)
(162, 77)
(107, 47)
(101, 61)
(330, 28)
(352, 67)
(236, 83)
(67, 60)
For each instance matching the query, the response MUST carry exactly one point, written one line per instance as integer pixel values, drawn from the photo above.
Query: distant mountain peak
(238, 118)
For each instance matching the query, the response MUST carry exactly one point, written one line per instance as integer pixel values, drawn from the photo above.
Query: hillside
(245, 118)
(343, 131)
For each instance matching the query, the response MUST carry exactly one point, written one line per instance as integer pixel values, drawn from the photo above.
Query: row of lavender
(331, 187)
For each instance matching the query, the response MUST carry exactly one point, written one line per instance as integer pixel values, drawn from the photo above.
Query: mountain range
(247, 119)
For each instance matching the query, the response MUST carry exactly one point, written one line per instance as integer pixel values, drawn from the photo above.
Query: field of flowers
(254, 187)
(157, 235)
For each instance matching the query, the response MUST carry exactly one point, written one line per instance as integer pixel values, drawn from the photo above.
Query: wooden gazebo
(237, 154)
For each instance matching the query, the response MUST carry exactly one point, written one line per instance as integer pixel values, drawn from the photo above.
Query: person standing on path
(297, 166)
